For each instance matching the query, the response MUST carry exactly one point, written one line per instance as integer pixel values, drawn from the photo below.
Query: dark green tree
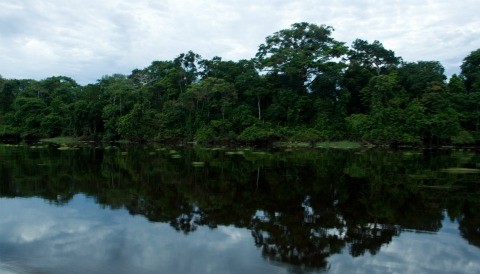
(297, 56)
(138, 125)
(416, 77)
(117, 92)
(373, 56)
(188, 65)
(366, 60)
(471, 71)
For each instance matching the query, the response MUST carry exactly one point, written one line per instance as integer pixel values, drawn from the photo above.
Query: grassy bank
(61, 140)
(334, 145)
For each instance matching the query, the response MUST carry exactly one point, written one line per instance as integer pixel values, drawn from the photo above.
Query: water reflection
(304, 208)
(38, 238)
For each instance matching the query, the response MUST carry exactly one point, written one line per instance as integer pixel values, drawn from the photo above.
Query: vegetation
(302, 86)
(61, 140)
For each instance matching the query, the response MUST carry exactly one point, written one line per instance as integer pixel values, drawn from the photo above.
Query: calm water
(147, 209)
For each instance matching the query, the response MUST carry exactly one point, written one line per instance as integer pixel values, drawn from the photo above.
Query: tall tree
(456, 84)
(365, 61)
(159, 82)
(372, 56)
(299, 54)
(189, 64)
(380, 91)
(471, 71)
(116, 90)
(6, 96)
(418, 76)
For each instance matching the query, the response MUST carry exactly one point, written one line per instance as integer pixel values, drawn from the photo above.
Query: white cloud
(87, 39)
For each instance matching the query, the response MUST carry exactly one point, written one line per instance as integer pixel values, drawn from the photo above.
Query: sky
(86, 39)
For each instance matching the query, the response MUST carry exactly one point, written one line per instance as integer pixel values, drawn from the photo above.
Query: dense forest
(302, 85)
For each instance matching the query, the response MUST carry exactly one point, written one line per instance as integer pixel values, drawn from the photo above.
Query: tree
(212, 94)
(456, 85)
(471, 71)
(381, 90)
(441, 120)
(365, 61)
(28, 113)
(6, 96)
(225, 70)
(116, 91)
(138, 124)
(355, 79)
(417, 77)
(159, 82)
(300, 54)
(188, 64)
(372, 56)
(87, 108)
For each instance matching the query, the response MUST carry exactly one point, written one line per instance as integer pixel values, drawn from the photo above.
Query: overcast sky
(86, 39)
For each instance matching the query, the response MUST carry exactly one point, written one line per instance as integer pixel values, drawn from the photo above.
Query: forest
(301, 86)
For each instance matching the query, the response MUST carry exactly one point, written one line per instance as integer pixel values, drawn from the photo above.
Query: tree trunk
(259, 109)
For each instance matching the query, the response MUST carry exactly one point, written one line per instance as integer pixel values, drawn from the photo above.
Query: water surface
(150, 209)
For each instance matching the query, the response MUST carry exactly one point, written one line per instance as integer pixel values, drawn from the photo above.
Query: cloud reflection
(411, 252)
(81, 237)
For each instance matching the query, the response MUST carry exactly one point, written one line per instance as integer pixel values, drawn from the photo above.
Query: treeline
(302, 85)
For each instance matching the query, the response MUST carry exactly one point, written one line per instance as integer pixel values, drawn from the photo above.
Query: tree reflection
(301, 206)
(470, 223)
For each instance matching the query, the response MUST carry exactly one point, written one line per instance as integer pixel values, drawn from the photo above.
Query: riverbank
(71, 141)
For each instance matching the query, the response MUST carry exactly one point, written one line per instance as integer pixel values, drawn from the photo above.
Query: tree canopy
(302, 85)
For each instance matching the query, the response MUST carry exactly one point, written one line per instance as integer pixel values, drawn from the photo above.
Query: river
(155, 209)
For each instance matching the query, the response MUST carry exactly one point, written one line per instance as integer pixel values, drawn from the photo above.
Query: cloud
(88, 39)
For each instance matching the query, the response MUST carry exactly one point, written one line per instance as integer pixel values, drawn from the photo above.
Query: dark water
(160, 210)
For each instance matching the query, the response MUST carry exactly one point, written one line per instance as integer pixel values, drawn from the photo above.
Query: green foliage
(387, 126)
(27, 116)
(6, 96)
(242, 117)
(442, 126)
(355, 79)
(205, 135)
(456, 84)
(339, 145)
(381, 90)
(302, 86)
(138, 124)
(258, 133)
(299, 55)
(212, 98)
(471, 71)
(52, 125)
(61, 140)
(305, 134)
(8, 132)
(373, 57)
(414, 124)
(415, 78)
(463, 138)
(359, 125)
